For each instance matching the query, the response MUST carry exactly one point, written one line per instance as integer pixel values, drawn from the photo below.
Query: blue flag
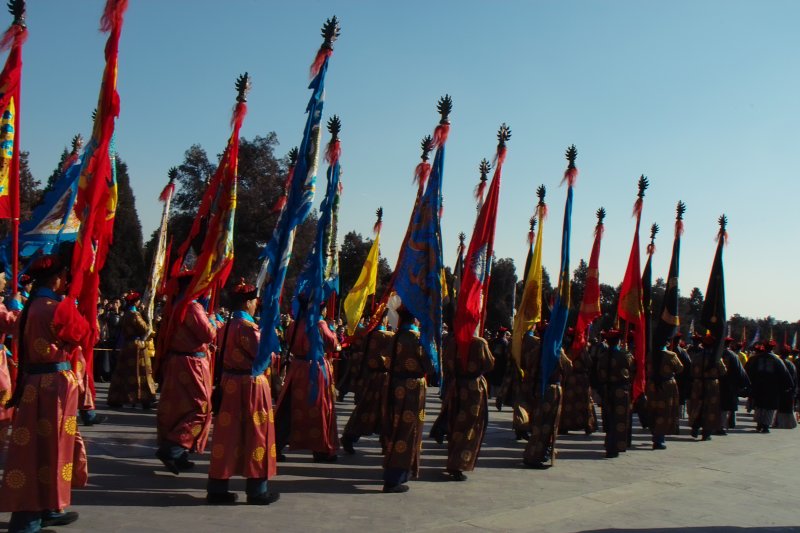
(419, 281)
(554, 334)
(312, 288)
(278, 251)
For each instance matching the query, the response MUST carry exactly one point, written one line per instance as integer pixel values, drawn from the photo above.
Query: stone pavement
(743, 481)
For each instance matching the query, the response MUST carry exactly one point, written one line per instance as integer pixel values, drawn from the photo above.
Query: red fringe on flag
(599, 230)
(377, 227)
(239, 111)
(15, 35)
(323, 54)
(530, 238)
(279, 204)
(421, 173)
(333, 151)
(543, 211)
(500, 156)
(479, 190)
(637, 207)
(440, 134)
(112, 14)
(570, 176)
(678, 228)
(724, 236)
(651, 249)
(167, 192)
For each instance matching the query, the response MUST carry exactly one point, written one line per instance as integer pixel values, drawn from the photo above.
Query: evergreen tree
(53, 178)
(500, 304)
(124, 268)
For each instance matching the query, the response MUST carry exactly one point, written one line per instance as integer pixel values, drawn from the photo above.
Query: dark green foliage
(125, 267)
(500, 304)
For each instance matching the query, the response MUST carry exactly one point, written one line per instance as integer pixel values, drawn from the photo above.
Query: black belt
(407, 375)
(48, 368)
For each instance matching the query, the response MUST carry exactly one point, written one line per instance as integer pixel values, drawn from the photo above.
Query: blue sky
(700, 96)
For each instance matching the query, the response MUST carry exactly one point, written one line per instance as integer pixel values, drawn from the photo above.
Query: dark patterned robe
(467, 412)
(517, 387)
(733, 382)
(768, 378)
(546, 408)
(704, 405)
(614, 370)
(663, 400)
(684, 379)
(132, 381)
(577, 406)
(366, 418)
(404, 408)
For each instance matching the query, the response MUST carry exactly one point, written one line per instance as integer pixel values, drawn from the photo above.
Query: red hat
(771, 343)
(245, 291)
(678, 335)
(132, 296)
(696, 336)
(613, 334)
(45, 266)
(24, 279)
(708, 337)
(728, 339)
(570, 332)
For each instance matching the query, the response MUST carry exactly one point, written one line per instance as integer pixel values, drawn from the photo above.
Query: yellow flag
(530, 308)
(365, 285)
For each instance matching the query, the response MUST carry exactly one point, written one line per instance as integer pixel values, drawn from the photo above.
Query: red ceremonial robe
(244, 429)
(46, 456)
(184, 409)
(312, 426)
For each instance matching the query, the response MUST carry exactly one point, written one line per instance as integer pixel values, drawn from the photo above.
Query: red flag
(630, 307)
(96, 201)
(214, 225)
(475, 284)
(590, 305)
(13, 38)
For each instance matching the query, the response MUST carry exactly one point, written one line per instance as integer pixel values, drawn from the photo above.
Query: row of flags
(82, 203)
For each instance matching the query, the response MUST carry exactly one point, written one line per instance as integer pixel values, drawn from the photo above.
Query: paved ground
(743, 481)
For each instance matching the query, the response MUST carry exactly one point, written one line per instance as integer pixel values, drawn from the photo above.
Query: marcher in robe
(517, 388)
(546, 410)
(768, 380)
(132, 381)
(613, 375)
(468, 411)
(786, 419)
(366, 418)
(183, 419)
(733, 384)
(404, 408)
(303, 422)
(707, 368)
(684, 379)
(663, 399)
(577, 409)
(46, 457)
(244, 428)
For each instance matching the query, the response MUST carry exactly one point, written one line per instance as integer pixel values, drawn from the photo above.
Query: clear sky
(700, 96)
